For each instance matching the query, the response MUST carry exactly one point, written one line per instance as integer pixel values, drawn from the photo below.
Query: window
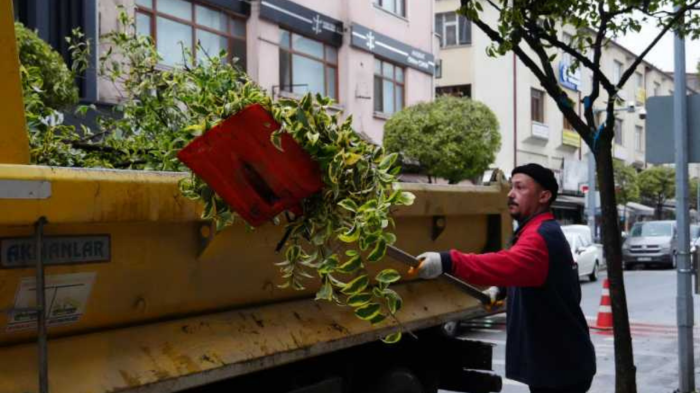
(307, 66)
(457, 91)
(453, 29)
(638, 135)
(657, 88)
(537, 105)
(177, 23)
(617, 71)
(388, 87)
(567, 125)
(397, 7)
(639, 89)
(618, 132)
(438, 69)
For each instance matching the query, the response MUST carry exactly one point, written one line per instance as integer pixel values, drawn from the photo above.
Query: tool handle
(404, 257)
(468, 289)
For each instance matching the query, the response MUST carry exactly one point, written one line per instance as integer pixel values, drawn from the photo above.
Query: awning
(569, 202)
(640, 210)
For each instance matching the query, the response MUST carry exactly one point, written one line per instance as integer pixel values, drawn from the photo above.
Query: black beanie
(542, 175)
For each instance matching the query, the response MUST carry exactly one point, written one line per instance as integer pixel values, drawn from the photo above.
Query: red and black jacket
(548, 343)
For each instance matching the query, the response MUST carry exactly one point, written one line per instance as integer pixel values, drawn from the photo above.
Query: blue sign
(567, 78)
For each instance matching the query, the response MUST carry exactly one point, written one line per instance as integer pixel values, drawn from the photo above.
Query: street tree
(693, 193)
(626, 184)
(532, 30)
(54, 81)
(656, 186)
(452, 138)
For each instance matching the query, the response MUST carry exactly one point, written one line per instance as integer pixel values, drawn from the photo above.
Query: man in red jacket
(548, 345)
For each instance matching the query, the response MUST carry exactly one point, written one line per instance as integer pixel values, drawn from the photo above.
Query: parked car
(694, 237)
(588, 255)
(650, 243)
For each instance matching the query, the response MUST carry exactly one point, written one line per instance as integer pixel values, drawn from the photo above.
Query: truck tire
(398, 380)
(451, 329)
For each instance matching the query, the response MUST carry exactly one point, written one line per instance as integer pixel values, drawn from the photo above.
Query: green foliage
(626, 185)
(163, 110)
(50, 74)
(656, 185)
(47, 87)
(614, 17)
(693, 193)
(453, 138)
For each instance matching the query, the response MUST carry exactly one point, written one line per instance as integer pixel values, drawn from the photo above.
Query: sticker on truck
(66, 298)
(20, 252)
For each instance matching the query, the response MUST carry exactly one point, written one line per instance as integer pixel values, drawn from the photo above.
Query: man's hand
(430, 265)
(494, 304)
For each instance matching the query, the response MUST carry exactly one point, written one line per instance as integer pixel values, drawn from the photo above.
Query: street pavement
(651, 299)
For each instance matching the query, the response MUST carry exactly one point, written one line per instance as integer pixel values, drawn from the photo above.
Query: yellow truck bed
(141, 295)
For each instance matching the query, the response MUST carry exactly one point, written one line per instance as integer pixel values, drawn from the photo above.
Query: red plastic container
(239, 162)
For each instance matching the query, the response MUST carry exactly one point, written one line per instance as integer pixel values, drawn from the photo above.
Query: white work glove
(493, 294)
(494, 304)
(430, 266)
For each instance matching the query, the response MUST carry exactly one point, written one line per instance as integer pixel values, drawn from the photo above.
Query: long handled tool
(408, 259)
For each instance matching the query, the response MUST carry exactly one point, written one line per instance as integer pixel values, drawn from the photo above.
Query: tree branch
(632, 68)
(595, 82)
(550, 83)
(546, 75)
(582, 59)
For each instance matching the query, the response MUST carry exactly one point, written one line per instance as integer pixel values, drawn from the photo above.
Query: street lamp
(591, 170)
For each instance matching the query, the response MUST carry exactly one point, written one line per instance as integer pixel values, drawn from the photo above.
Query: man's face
(526, 197)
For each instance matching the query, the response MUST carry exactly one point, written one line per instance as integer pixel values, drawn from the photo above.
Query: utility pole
(684, 300)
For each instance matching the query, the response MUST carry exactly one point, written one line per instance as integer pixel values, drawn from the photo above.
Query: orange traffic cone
(605, 319)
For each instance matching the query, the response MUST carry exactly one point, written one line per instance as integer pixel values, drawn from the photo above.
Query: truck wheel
(451, 329)
(398, 381)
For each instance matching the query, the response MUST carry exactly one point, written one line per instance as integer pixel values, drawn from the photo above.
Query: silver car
(650, 242)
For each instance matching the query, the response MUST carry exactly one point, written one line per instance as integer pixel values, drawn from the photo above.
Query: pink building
(373, 57)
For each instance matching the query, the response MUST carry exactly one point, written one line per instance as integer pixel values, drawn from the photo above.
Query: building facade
(374, 57)
(532, 127)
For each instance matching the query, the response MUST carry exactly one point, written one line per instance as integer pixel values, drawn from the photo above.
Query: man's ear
(545, 196)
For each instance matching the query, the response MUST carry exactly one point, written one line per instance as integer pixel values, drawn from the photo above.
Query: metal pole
(591, 194)
(41, 308)
(684, 301)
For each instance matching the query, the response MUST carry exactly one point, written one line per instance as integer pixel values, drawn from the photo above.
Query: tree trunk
(625, 370)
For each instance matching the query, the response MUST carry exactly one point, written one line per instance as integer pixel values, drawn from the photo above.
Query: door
(587, 256)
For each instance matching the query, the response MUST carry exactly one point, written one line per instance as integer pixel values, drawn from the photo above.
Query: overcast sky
(662, 54)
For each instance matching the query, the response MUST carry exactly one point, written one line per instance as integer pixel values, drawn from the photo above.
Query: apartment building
(532, 127)
(374, 57)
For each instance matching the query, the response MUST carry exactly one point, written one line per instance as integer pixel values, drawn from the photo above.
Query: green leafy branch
(344, 228)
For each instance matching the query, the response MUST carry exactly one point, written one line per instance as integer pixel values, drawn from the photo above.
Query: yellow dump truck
(141, 296)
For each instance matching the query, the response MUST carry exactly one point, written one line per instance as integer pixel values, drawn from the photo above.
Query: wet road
(651, 296)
